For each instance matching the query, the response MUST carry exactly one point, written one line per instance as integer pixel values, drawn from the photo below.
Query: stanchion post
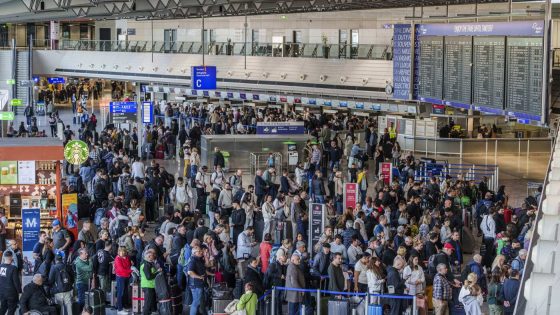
(366, 303)
(273, 300)
(414, 306)
(319, 301)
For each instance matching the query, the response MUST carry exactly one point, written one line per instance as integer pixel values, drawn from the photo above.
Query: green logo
(76, 152)
(6, 116)
(16, 102)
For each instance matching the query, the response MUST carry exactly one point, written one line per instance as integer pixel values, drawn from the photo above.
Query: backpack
(162, 287)
(149, 193)
(273, 252)
(465, 273)
(99, 214)
(64, 281)
(121, 228)
(181, 261)
(432, 263)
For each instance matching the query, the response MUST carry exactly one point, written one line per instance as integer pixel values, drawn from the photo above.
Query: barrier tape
(388, 296)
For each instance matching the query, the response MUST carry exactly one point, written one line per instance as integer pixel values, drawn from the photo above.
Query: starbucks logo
(76, 152)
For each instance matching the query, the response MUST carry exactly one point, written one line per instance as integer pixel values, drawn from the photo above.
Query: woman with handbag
(247, 304)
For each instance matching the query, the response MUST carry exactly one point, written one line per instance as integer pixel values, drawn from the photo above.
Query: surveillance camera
(230, 73)
(247, 74)
(343, 79)
(322, 77)
(365, 81)
(283, 76)
(265, 75)
(302, 77)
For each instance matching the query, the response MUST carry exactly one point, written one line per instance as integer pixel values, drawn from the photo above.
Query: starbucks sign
(76, 152)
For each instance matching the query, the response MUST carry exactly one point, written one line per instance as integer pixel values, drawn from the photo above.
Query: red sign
(386, 172)
(350, 195)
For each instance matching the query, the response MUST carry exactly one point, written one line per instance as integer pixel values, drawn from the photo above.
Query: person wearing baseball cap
(61, 237)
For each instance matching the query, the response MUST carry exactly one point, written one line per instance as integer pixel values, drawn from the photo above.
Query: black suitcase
(83, 206)
(238, 291)
(259, 228)
(164, 307)
(176, 298)
(95, 298)
(220, 291)
(76, 309)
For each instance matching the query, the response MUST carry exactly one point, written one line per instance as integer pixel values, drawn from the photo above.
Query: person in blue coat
(510, 291)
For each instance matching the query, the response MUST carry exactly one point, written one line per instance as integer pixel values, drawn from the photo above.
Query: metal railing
(258, 161)
(292, 50)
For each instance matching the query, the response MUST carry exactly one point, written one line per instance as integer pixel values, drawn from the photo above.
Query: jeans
(9, 304)
(194, 170)
(65, 300)
(320, 199)
(180, 277)
(293, 308)
(197, 296)
(339, 207)
(363, 194)
(81, 289)
(122, 285)
(333, 164)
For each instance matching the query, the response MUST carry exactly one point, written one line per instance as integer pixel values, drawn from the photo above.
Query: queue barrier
(319, 293)
(474, 172)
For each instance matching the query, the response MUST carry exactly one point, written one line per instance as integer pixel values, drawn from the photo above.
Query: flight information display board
(489, 69)
(458, 60)
(524, 72)
(430, 68)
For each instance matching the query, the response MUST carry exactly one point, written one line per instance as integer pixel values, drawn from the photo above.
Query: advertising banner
(350, 195)
(386, 172)
(316, 223)
(30, 228)
(70, 213)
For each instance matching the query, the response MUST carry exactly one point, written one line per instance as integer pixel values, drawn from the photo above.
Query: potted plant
(326, 47)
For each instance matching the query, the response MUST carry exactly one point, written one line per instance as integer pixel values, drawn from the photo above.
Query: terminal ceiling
(45, 10)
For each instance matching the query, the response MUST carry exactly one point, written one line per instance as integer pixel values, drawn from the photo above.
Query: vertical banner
(30, 228)
(316, 223)
(350, 195)
(70, 213)
(386, 172)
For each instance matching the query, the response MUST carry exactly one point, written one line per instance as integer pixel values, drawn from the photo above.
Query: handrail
(521, 302)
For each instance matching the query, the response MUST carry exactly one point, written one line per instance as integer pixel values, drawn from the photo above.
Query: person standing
(197, 275)
(294, 279)
(10, 285)
(3, 225)
(442, 291)
(84, 275)
(510, 291)
(60, 282)
(336, 275)
(61, 238)
(148, 274)
(102, 266)
(123, 270)
(488, 228)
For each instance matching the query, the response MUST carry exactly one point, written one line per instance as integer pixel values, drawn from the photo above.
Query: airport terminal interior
(261, 157)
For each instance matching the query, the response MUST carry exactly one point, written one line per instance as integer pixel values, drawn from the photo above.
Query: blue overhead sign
(122, 112)
(402, 50)
(281, 128)
(203, 78)
(56, 80)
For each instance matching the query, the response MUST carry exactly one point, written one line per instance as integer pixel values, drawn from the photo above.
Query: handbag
(231, 307)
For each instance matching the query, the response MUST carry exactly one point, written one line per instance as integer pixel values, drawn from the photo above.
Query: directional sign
(6, 115)
(122, 112)
(11, 81)
(16, 102)
(203, 78)
(26, 83)
(56, 80)
(147, 112)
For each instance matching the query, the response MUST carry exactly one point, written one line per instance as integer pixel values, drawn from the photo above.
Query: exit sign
(6, 115)
(16, 102)
(11, 81)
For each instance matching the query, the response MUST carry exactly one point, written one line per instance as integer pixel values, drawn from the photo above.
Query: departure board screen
(430, 83)
(524, 72)
(458, 60)
(489, 69)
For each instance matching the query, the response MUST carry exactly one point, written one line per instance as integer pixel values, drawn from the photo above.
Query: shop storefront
(30, 181)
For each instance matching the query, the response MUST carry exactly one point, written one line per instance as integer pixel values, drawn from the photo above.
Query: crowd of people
(204, 233)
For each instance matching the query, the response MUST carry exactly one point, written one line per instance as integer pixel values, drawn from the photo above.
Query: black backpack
(64, 281)
(121, 228)
(465, 273)
(162, 287)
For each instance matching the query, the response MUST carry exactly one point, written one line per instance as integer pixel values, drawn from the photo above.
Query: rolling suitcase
(220, 291)
(111, 297)
(238, 291)
(468, 241)
(219, 306)
(137, 299)
(164, 307)
(176, 298)
(339, 307)
(95, 298)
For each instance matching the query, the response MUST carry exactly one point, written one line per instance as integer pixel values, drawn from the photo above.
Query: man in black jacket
(254, 276)
(102, 266)
(322, 261)
(238, 218)
(275, 278)
(34, 298)
(10, 285)
(178, 242)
